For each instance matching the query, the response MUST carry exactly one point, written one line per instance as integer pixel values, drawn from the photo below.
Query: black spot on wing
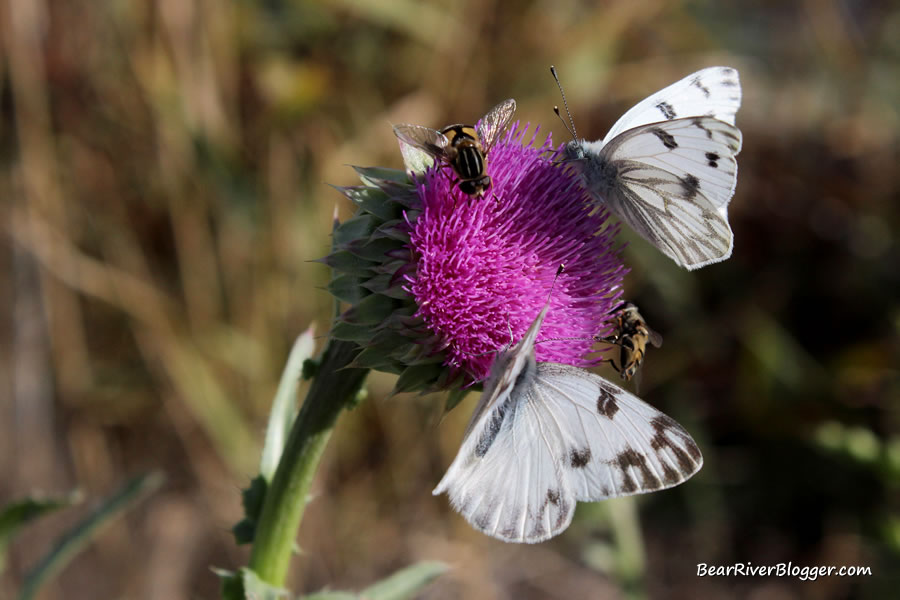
(607, 405)
(510, 532)
(698, 123)
(666, 109)
(713, 159)
(630, 459)
(690, 185)
(665, 137)
(670, 475)
(697, 83)
(578, 459)
(687, 458)
(490, 432)
(482, 521)
(539, 531)
(563, 508)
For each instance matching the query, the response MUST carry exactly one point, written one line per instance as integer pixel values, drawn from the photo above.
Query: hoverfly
(631, 335)
(463, 147)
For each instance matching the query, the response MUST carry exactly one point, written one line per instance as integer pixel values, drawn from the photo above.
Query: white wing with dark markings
(713, 92)
(668, 167)
(545, 435)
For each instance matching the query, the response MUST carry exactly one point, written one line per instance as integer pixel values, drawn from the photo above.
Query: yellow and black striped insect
(463, 147)
(632, 336)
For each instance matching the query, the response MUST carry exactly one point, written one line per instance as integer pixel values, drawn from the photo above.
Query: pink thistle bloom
(483, 267)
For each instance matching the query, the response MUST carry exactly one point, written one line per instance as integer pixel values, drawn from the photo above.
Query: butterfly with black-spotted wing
(546, 435)
(667, 167)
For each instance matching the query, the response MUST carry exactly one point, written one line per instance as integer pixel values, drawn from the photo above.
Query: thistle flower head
(440, 281)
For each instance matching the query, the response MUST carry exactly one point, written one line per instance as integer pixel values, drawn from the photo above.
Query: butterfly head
(574, 151)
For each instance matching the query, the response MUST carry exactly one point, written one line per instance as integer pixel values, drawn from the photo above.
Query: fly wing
(493, 124)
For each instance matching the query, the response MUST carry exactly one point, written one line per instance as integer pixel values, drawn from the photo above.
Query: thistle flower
(440, 281)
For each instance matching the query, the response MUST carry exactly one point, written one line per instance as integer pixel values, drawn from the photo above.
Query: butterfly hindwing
(507, 482)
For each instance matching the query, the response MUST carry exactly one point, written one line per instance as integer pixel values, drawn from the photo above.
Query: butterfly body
(667, 168)
(462, 147)
(544, 436)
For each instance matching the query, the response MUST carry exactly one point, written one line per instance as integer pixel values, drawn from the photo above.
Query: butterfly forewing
(713, 92)
(618, 444)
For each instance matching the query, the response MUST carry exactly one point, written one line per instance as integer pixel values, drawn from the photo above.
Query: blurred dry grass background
(163, 189)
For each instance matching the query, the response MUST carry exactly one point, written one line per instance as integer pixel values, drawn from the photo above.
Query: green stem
(333, 389)
(626, 528)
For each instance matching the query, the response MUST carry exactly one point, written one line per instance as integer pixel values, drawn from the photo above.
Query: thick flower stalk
(440, 281)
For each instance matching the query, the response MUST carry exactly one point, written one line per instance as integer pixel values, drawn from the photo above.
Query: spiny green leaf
(417, 377)
(454, 398)
(348, 263)
(357, 227)
(373, 250)
(383, 284)
(348, 288)
(374, 175)
(395, 229)
(252, 499)
(371, 310)
(384, 210)
(350, 332)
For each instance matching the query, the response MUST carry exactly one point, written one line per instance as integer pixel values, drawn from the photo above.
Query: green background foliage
(163, 169)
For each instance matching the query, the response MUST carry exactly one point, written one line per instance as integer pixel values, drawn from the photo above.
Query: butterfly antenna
(559, 271)
(566, 104)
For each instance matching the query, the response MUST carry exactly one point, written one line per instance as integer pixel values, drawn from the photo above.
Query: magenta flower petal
(484, 266)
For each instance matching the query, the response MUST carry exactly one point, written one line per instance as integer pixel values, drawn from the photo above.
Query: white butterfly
(667, 167)
(545, 435)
